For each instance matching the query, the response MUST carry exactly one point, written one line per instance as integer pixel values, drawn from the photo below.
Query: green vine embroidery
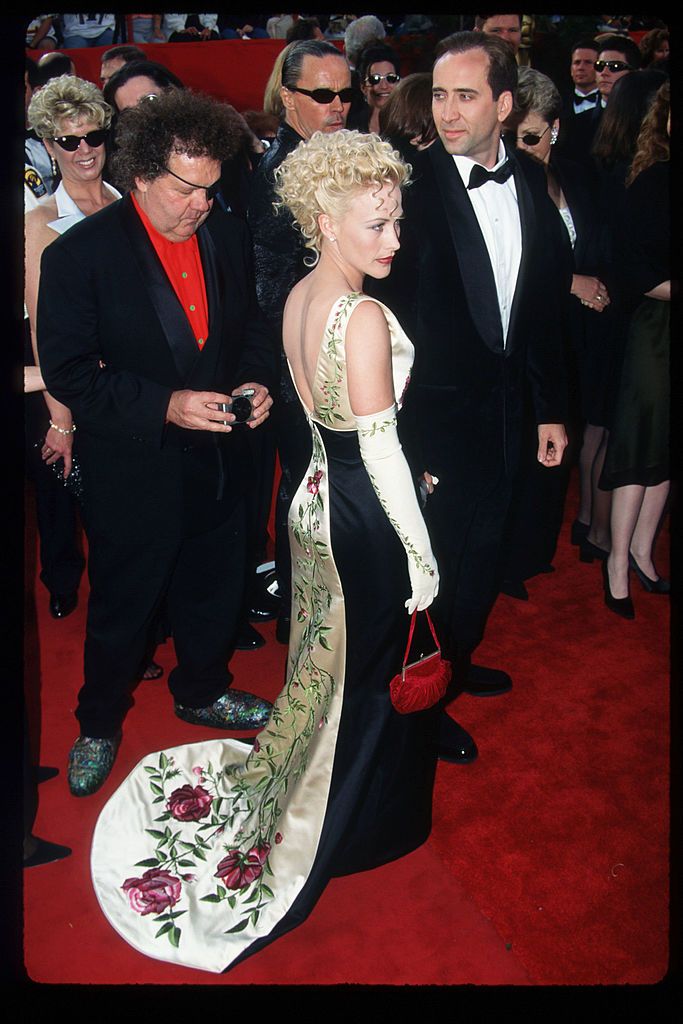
(333, 340)
(256, 789)
(410, 548)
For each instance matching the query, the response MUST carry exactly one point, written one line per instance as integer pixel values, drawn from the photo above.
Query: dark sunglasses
(325, 95)
(211, 191)
(392, 78)
(71, 142)
(530, 139)
(612, 65)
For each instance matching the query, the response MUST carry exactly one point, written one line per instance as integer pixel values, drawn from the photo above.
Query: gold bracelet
(61, 430)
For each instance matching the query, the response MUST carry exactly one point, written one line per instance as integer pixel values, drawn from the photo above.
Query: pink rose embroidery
(189, 803)
(313, 485)
(237, 869)
(154, 892)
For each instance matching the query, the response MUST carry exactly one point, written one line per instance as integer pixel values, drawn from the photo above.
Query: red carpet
(548, 862)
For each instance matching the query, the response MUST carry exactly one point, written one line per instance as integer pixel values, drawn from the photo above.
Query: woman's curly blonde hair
(67, 98)
(323, 174)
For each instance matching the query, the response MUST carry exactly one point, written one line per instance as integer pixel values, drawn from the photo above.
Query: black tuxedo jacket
(465, 402)
(114, 344)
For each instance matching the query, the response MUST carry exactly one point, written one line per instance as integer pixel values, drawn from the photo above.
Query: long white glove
(390, 476)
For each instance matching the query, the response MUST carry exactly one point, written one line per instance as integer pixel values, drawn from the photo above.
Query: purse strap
(412, 630)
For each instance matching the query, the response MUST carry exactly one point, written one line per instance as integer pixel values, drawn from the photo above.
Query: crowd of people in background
(591, 117)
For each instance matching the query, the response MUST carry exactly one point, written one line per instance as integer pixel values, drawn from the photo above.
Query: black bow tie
(479, 175)
(590, 97)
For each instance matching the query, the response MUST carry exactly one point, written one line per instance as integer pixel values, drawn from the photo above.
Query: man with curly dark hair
(148, 325)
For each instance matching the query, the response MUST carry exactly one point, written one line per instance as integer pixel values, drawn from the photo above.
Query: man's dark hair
(481, 19)
(623, 45)
(126, 51)
(178, 121)
(158, 73)
(303, 28)
(31, 69)
(502, 73)
(585, 44)
(375, 53)
(293, 62)
(52, 65)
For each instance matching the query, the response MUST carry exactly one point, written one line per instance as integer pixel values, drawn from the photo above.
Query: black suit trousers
(466, 527)
(201, 579)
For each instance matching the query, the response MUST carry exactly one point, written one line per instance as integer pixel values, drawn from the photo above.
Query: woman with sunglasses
(71, 117)
(379, 73)
(534, 127)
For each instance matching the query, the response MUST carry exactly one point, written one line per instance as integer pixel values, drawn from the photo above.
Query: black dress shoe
(453, 743)
(248, 639)
(514, 588)
(486, 682)
(620, 605)
(282, 629)
(62, 605)
(658, 586)
(44, 852)
(578, 532)
(588, 551)
(262, 614)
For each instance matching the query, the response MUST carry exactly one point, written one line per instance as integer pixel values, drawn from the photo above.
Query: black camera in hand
(240, 406)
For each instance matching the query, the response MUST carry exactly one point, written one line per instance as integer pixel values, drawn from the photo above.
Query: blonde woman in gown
(209, 851)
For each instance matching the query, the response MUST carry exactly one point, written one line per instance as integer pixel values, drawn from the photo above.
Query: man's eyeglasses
(324, 96)
(211, 190)
(612, 65)
(531, 139)
(392, 78)
(71, 142)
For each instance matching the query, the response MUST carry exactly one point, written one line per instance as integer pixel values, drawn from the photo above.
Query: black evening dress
(209, 851)
(638, 446)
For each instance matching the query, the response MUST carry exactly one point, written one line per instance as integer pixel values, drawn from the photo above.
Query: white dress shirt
(497, 211)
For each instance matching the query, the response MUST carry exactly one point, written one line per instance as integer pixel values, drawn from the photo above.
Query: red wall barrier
(234, 70)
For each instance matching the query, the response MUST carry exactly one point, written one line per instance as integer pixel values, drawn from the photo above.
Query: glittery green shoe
(90, 762)
(234, 710)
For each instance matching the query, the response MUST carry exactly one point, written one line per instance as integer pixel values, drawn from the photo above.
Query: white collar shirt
(497, 211)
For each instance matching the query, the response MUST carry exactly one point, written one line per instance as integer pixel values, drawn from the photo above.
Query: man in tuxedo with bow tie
(147, 325)
(474, 286)
(585, 94)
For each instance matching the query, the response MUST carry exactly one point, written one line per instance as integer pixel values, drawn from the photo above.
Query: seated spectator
(86, 30)
(147, 28)
(40, 33)
(278, 26)
(115, 58)
(379, 72)
(190, 28)
(241, 26)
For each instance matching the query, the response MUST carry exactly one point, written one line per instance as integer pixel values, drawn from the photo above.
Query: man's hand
(198, 410)
(260, 403)
(552, 441)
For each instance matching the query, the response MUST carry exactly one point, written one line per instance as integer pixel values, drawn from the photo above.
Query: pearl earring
(553, 136)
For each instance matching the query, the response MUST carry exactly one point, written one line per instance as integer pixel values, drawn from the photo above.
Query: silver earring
(553, 136)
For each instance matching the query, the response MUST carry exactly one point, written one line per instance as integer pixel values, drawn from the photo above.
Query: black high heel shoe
(658, 586)
(589, 551)
(620, 605)
(578, 532)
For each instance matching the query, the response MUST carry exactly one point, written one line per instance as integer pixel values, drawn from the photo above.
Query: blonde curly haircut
(323, 174)
(67, 98)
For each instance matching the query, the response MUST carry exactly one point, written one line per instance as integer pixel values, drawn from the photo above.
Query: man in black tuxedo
(474, 286)
(147, 324)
